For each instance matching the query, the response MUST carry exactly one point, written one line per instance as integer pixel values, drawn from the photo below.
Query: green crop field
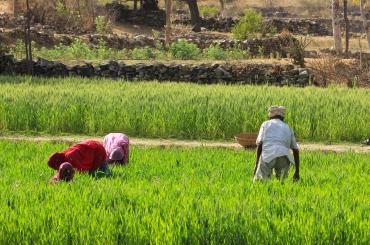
(183, 196)
(174, 110)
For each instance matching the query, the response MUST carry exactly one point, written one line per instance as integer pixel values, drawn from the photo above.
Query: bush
(103, 51)
(248, 26)
(80, 50)
(237, 53)
(208, 11)
(2, 49)
(142, 53)
(19, 50)
(161, 53)
(101, 25)
(183, 50)
(215, 52)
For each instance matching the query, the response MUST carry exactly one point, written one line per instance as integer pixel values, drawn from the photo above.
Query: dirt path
(186, 143)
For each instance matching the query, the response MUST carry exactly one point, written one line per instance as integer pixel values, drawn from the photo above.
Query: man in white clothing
(274, 141)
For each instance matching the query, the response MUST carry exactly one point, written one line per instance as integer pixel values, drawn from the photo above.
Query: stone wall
(203, 74)
(311, 26)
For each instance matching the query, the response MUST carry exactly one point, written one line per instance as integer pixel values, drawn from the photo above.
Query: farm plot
(173, 110)
(191, 196)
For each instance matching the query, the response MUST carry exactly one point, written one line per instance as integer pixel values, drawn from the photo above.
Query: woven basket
(247, 140)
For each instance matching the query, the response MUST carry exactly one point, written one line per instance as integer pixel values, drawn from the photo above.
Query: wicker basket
(247, 140)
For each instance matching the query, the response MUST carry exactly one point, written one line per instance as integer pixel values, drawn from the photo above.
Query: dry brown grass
(330, 70)
(318, 43)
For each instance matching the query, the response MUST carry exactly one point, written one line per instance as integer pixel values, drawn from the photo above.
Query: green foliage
(103, 51)
(3, 51)
(160, 52)
(101, 24)
(19, 50)
(215, 52)
(80, 50)
(184, 50)
(248, 26)
(183, 196)
(61, 8)
(208, 11)
(237, 53)
(189, 111)
(142, 53)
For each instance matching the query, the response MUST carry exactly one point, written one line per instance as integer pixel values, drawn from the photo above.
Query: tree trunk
(79, 8)
(93, 11)
(365, 19)
(336, 26)
(150, 5)
(195, 16)
(222, 6)
(28, 41)
(346, 21)
(168, 22)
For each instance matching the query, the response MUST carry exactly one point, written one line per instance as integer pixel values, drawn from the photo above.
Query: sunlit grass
(177, 110)
(191, 196)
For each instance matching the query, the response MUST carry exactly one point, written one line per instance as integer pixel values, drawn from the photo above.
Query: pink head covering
(117, 154)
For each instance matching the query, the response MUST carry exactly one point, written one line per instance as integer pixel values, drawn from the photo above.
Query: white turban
(276, 111)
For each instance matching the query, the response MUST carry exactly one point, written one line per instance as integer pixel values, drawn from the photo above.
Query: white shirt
(277, 139)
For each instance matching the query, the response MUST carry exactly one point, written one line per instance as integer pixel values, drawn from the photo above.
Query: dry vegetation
(299, 7)
(358, 44)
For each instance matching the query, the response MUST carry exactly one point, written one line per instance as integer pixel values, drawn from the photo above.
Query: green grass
(180, 50)
(187, 196)
(177, 110)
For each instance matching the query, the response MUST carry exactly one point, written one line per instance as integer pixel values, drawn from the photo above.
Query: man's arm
(297, 162)
(258, 155)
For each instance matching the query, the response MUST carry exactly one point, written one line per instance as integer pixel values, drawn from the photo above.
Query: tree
(27, 40)
(195, 16)
(346, 21)
(168, 22)
(366, 22)
(222, 6)
(336, 26)
(150, 5)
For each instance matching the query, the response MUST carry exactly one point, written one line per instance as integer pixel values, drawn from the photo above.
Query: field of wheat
(183, 196)
(174, 110)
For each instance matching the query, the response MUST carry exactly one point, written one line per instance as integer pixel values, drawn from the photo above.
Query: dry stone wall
(279, 75)
(303, 26)
(311, 26)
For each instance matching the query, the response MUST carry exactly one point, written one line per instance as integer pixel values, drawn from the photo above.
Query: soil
(357, 148)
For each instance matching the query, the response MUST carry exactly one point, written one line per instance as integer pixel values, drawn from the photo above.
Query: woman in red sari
(87, 156)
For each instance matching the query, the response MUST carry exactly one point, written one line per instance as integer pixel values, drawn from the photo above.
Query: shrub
(208, 11)
(80, 50)
(19, 50)
(183, 50)
(237, 53)
(101, 24)
(215, 52)
(142, 53)
(248, 26)
(2, 49)
(103, 51)
(161, 53)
